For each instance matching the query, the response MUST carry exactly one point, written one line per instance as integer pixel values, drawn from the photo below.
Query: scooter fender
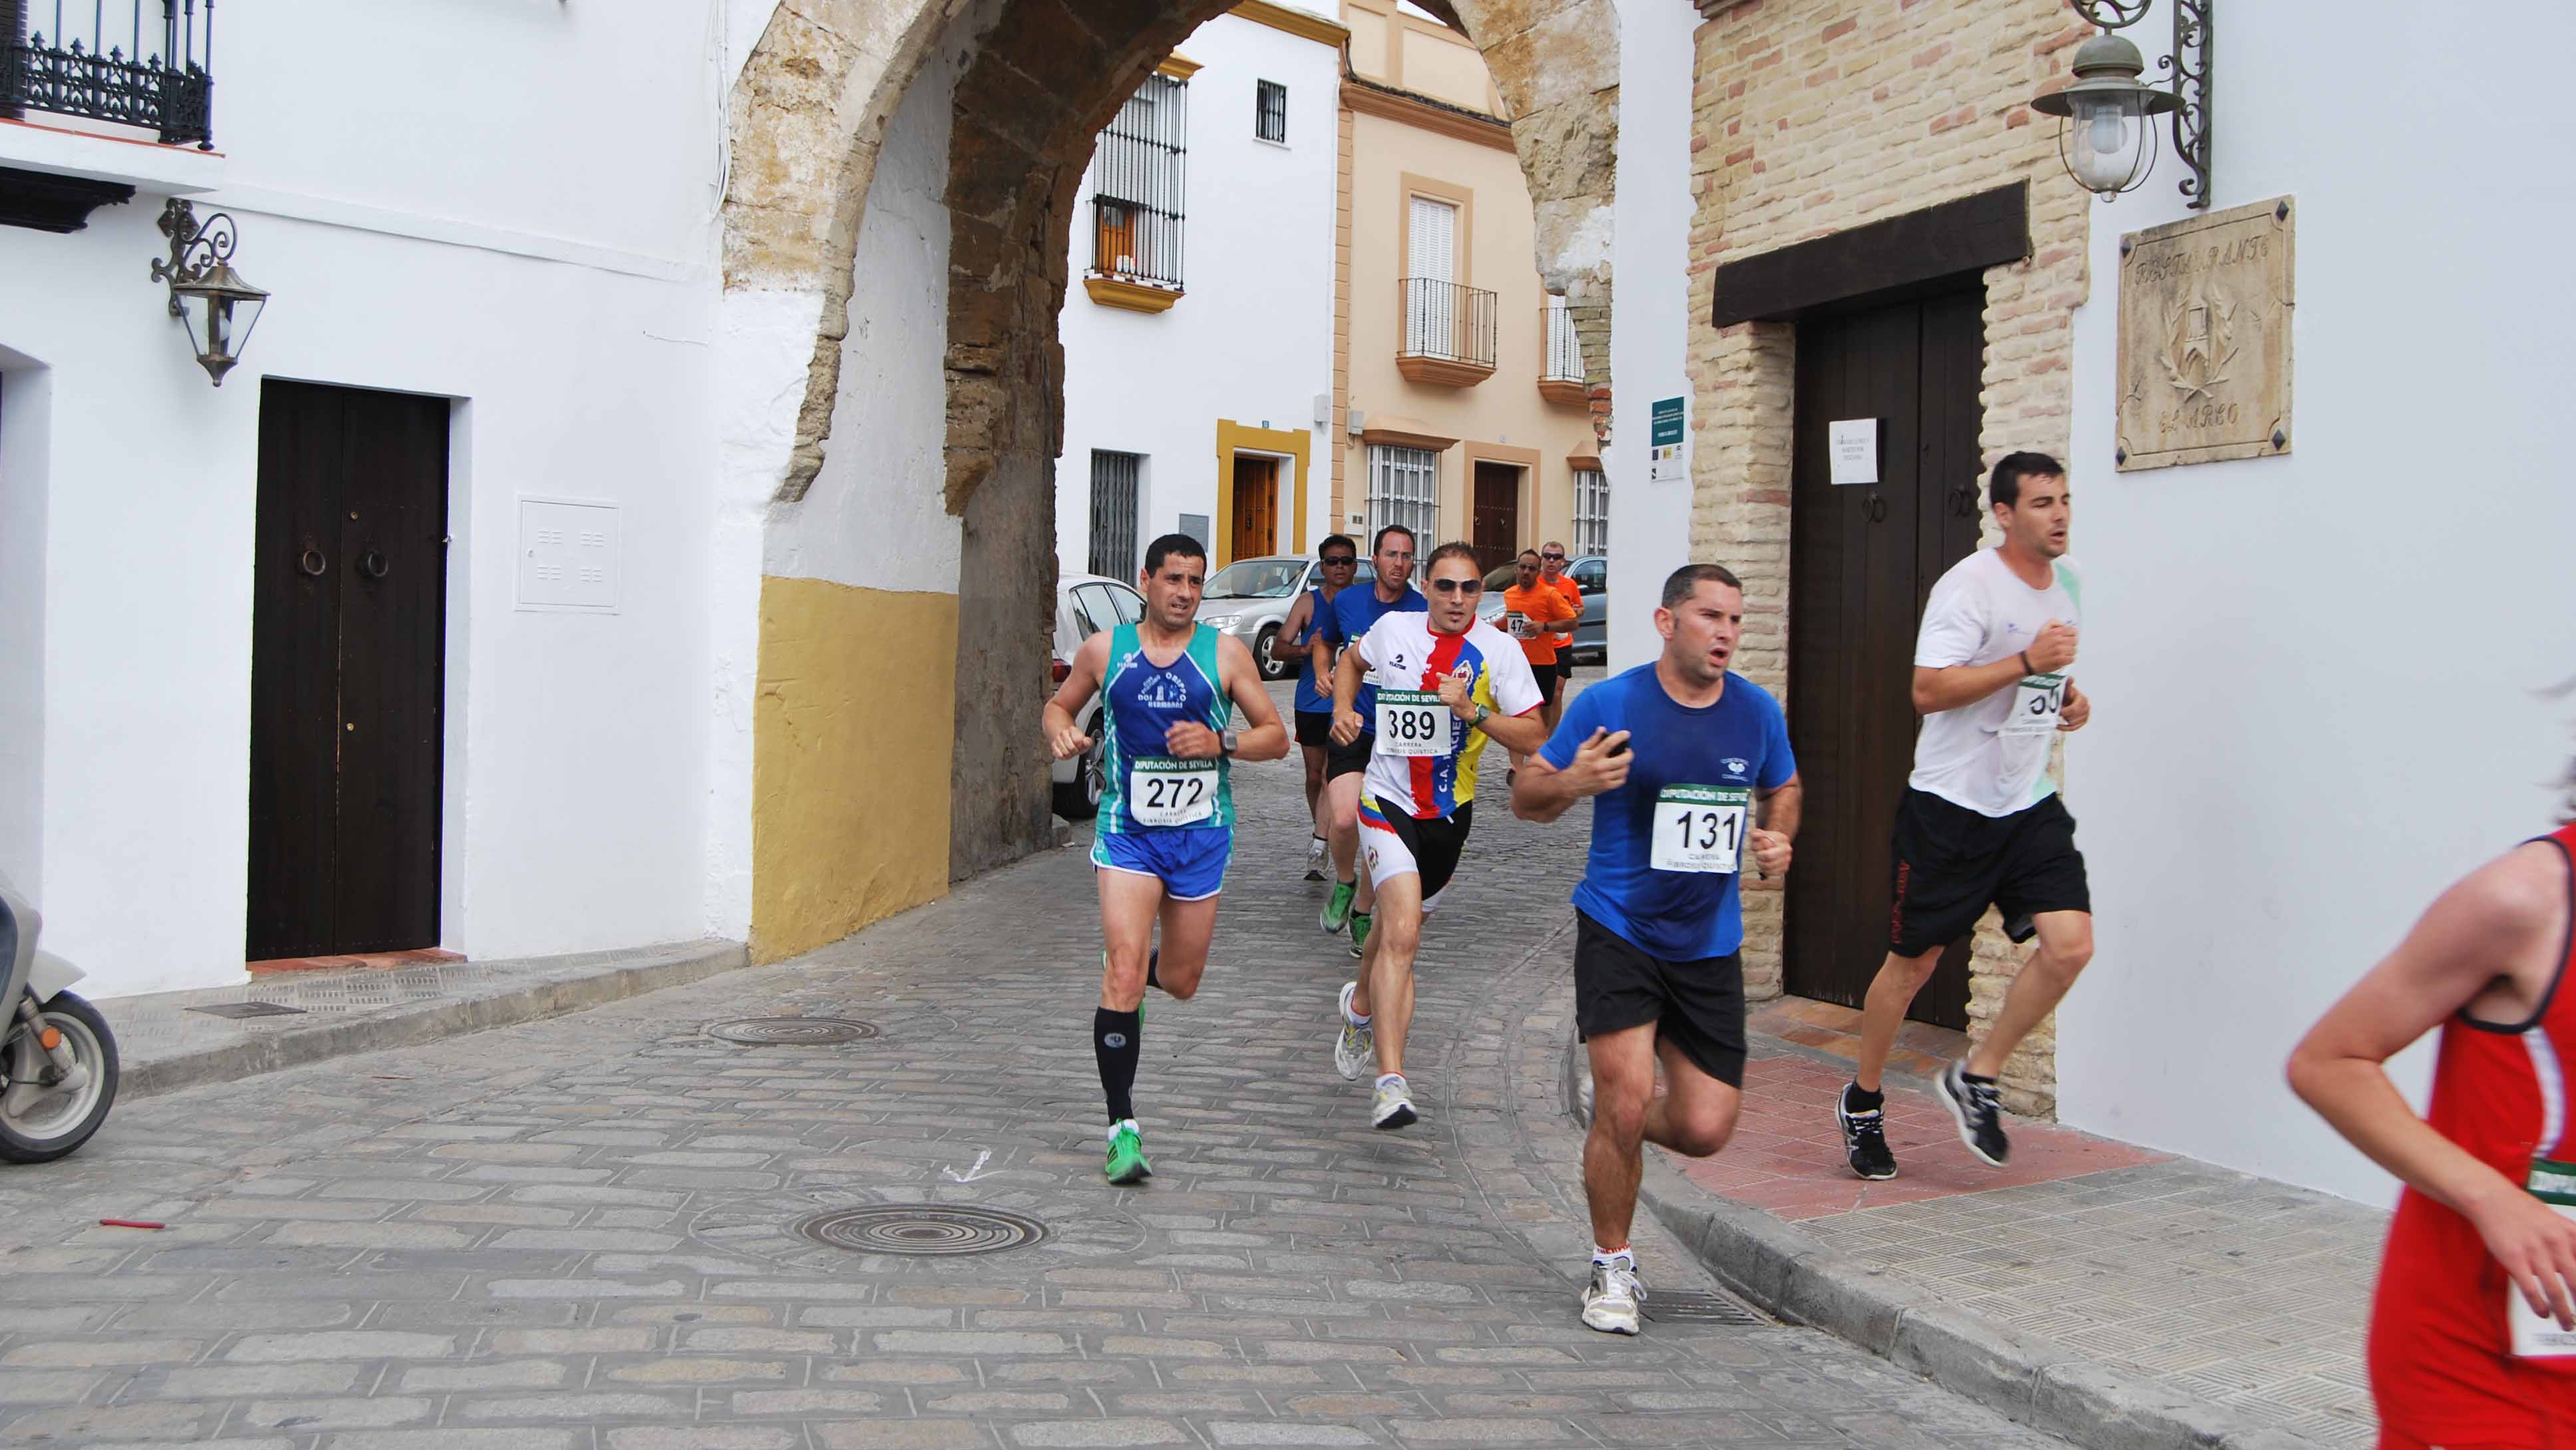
(49, 974)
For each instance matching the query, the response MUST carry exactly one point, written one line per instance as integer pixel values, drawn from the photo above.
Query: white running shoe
(1610, 1301)
(1315, 860)
(1394, 1105)
(1354, 1048)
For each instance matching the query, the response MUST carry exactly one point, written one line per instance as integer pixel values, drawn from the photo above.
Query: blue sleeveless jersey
(1312, 700)
(1141, 702)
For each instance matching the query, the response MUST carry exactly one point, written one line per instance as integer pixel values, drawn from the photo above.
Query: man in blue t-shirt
(1345, 624)
(1691, 769)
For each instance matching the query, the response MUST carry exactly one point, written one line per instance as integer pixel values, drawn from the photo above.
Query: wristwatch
(1482, 710)
(1226, 742)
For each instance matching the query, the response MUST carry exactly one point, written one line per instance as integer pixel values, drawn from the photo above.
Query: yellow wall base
(852, 731)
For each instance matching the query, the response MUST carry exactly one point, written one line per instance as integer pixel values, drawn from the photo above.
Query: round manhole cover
(933, 1230)
(792, 1031)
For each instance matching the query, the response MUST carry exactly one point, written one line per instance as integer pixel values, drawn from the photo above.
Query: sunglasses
(1457, 586)
(1552, 556)
(1340, 561)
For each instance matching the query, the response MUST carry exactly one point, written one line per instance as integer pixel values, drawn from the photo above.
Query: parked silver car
(1086, 604)
(1250, 599)
(1591, 632)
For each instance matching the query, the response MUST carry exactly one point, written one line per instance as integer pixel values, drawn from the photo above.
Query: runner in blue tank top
(1336, 562)
(1691, 777)
(1166, 827)
(1354, 612)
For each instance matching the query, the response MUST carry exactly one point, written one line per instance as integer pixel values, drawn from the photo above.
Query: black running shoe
(1865, 1138)
(1980, 1116)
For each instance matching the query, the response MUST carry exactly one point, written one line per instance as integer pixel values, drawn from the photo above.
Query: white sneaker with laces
(1315, 859)
(1394, 1107)
(1610, 1301)
(1354, 1048)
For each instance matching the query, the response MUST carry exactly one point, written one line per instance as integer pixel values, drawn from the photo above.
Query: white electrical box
(570, 559)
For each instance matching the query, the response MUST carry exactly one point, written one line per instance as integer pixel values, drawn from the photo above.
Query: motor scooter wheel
(41, 1127)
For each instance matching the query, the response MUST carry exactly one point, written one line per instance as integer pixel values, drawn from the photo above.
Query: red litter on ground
(125, 1223)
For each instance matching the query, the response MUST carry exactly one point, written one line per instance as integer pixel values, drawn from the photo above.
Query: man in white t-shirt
(1446, 682)
(1980, 822)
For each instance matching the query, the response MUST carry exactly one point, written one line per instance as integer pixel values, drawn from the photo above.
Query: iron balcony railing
(1562, 362)
(1446, 321)
(142, 63)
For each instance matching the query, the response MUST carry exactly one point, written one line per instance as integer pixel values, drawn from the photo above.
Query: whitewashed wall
(2315, 675)
(1253, 338)
(1650, 315)
(461, 202)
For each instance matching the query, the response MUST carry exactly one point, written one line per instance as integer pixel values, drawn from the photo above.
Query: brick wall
(1812, 116)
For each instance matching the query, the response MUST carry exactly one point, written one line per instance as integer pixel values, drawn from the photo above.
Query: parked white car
(1250, 599)
(1086, 604)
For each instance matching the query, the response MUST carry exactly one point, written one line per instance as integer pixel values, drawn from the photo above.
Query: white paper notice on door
(1854, 446)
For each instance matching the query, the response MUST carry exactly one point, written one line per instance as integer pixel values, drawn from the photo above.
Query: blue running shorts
(1190, 863)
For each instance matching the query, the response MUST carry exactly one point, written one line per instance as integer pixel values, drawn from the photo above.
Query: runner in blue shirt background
(1345, 624)
(1690, 770)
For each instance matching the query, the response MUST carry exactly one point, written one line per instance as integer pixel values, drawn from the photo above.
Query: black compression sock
(1115, 1044)
(1856, 1101)
(1972, 1077)
(1153, 959)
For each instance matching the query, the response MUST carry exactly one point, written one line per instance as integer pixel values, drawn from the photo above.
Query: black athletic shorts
(1393, 843)
(1315, 727)
(1352, 759)
(1950, 862)
(1550, 678)
(1698, 1006)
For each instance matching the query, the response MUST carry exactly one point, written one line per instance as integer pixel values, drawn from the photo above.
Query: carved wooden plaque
(2204, 367)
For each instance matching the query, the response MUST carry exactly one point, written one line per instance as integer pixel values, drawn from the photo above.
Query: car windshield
(1257, 579)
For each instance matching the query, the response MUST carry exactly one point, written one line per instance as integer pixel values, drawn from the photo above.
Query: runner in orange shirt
(1551, 572)
(1529, 607)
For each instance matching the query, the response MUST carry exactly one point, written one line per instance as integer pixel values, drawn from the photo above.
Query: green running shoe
(1127, 1155)
(1361, 922)
(1337, 907)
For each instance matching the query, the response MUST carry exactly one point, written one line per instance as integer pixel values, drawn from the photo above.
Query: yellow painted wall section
(852, 730)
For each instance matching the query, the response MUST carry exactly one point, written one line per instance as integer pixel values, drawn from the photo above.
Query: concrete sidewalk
(2178, 1303)
(171, 1040)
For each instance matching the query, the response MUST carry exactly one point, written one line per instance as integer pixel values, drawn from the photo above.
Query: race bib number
(2537, 1336)
(1518, 626)
(1162, 791)
(1700, 828)
(2036, 702)
(1412, 722)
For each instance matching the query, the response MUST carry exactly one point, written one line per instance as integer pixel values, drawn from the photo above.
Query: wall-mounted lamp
(2106, 134)
(218, 304)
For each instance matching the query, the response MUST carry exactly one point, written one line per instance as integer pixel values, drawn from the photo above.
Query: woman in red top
(2473, 1333)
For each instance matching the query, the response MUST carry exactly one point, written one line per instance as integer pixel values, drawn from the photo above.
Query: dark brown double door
(1863, 559)
(348, 645)
(1497, 508)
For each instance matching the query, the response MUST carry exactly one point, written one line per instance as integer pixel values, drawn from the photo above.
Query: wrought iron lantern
(2107, 131)
(218, 304)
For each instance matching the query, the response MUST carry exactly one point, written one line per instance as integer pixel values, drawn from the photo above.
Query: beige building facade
(1461, 407)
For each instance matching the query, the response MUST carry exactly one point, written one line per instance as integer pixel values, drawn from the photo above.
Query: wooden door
(348, 647)
(1256, 507)
(1863, 559)
(1497, 530)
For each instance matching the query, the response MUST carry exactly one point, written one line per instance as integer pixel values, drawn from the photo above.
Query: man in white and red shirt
(1445, 681)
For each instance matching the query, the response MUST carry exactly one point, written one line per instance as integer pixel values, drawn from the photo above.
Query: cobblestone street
(579, 1233)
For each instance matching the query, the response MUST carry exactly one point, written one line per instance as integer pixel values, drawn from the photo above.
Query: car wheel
(1079, 798)
(1270, 669)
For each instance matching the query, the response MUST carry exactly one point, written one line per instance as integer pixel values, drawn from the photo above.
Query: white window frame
(1404, 488)
(1591, 512)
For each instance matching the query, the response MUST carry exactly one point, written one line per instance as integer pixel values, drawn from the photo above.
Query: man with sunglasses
(1354, 611)
(1446, 681)
(1529, 607)
(1337, 560)
(1551, 573)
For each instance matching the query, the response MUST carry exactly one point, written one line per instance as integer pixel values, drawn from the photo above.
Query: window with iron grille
(1137, 187)
(1404, 488)
(1591, 512)
(1114, 478)
(1564, 360)
(1270, 111)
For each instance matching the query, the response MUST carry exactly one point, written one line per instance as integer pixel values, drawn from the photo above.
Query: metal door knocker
(372, 564)
(1877, 507)
(312, 562)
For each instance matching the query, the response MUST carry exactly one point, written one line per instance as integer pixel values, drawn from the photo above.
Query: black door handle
(372, 564)
(1877, 507)
(311, 563)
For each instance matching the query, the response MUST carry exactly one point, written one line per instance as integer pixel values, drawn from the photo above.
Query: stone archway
(808, 118)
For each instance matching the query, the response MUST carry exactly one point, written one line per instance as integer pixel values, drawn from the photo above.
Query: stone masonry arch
(807, 119)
